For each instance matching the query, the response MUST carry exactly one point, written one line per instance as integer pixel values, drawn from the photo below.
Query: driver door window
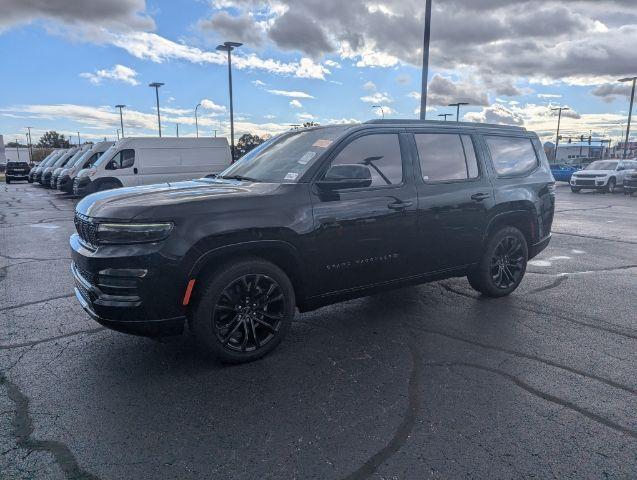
(123, 159)
(380, 153)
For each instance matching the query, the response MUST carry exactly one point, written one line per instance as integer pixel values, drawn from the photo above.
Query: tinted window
(512, 156)
(445, 156)
(380, 153)
(123, 159)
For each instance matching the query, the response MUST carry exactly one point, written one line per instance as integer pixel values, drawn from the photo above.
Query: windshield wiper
(239, 177)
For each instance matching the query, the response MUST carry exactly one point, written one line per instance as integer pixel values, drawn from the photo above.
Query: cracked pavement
(425, 382)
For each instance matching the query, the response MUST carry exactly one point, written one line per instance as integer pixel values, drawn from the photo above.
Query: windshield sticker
(322, 143)
(305, 159)
(291, 176)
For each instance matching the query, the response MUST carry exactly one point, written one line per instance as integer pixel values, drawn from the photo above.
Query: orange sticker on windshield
(322, 143)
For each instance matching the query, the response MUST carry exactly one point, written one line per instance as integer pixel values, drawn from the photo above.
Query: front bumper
(17, 175)
(131, 289)
(536, 249)
(54, 181)
(65, 183)
(83, 186)
(592, 182)
(45, 180)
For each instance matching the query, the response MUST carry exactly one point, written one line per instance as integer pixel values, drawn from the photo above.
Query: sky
(66, 63)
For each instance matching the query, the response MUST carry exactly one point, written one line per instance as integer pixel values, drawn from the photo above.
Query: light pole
(229, 47)
(118, 134)
(458, 105)
(156, 86)
(121, 118)
(215, 133)
(381, 110)
(30, 145)
(197, 121)
(79, 142)
(557, 135)
(425, 60)
(445, 115)
(17, 148)
(177, 130)
(630, 112)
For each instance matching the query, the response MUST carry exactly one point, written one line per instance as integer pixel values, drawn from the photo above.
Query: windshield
(602, 165)
(97, 161)
(79, 158)
(284, 158)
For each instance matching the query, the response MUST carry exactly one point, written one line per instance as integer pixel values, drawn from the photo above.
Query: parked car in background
(16, 171)
(145, 161)
(45, 177)
(71, 161)
(630, 183)
(87, 159)
(563, 172)
(602, 175)
(36, 166)
(37, 171)
(310, 218)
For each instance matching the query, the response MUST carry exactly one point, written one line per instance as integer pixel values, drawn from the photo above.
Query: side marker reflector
(191, 285)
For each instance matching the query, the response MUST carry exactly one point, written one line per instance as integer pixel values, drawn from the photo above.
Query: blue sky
(66, 64)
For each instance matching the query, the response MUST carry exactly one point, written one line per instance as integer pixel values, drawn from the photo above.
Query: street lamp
(156, 86)
(229, 47)
(630, 112)
(445, 115)
(425, 60)
(559, 121)
(458, 105)
(79, 142)
(121, 119)
(381, 110)
(196, 121)
(118, 134)
(177, 130)
(30, 145)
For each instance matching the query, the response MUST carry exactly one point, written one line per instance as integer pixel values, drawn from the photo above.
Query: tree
(247, 142)
(15, 145)
(53, 139)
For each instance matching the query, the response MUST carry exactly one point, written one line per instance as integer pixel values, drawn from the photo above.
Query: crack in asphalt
(528, 356)
(612, 328)
(592, 270)
(402, 433)
(583, 209)
(592, 237)
(538, 393)
(20, 305)
(558, 281)
(23, 431)
(32, 343)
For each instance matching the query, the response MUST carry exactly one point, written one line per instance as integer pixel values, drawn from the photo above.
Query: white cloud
(296, 104)
(210, 105)
(548, 95)
(291, 94)
(369, 86)
(378, 98)
(332, 64)
(118, 73)
(305, 117)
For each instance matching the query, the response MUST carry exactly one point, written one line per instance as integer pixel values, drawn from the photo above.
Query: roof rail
(440, 123)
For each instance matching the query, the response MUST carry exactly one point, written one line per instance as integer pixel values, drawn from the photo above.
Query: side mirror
(340, 177)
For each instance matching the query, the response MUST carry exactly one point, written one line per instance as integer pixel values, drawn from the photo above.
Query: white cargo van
(144, 161)
(87, 159)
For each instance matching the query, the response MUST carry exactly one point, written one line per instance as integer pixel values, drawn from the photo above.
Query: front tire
(244, 310)
(503, 264)
(610, 186)
(107, 186)
(575, 189)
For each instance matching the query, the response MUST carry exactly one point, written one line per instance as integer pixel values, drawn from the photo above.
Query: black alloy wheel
(507, 262)
(249, 313)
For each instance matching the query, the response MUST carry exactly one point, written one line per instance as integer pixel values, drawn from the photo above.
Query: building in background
(574, 150)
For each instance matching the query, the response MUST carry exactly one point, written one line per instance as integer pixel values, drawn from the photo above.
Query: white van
(86, 160)
(144, 161)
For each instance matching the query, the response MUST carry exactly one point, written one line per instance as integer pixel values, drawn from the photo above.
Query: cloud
(610, 91)
(296, 104)
(369, 86)
(548, 95)
(118, 73)
(378, 98)
(291, 94)
(332, 64)
(496, 114)
(305, 117)
(210, 105)
(443, 91)
(297, 31)
(241, 28)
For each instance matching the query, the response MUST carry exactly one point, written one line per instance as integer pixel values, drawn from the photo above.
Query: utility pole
(630, 112)
(30, 145)
(156, 86)
(425, 60)
(229, 47)
(121, 119)
(559, 121)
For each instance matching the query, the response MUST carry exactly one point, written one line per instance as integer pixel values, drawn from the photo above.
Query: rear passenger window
(446, 156)
(378, 152)
(512, 155)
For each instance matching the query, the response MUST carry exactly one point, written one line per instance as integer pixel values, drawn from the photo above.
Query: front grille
(85, 293)
(86, 229)
(585, 183)
(588, 175)
(86, 275)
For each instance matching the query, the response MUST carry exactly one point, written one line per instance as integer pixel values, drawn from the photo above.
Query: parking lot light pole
(630, 112)
(425, 60)
(118, 134)
(458, 105)
(445, 115)
(559, 121)
(177, 130)
(381, 110)
(79, 142)
(156, 86)
(30, 145)
(121, 118)
(197, 121)
(229, 47)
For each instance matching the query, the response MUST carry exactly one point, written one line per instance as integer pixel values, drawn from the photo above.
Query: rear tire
(503, 264)
(244, 310)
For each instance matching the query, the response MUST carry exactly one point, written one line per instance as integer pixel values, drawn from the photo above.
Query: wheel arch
(102, 180)
(521, 216)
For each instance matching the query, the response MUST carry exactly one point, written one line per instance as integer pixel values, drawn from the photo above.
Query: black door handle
(135, 170)
(400, 205)
(478, 197)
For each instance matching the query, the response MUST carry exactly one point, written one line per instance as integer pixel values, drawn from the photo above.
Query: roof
(174, 142)
(438, 123)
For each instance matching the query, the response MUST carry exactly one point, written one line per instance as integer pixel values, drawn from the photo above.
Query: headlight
(126, 233)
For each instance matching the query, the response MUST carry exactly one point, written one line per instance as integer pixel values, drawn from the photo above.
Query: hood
(163, 200)
(57, 171)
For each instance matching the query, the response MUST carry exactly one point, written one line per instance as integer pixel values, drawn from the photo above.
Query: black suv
(309, 218)
(16, 171)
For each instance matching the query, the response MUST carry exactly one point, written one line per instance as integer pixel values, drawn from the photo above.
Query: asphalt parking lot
(425, 382)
